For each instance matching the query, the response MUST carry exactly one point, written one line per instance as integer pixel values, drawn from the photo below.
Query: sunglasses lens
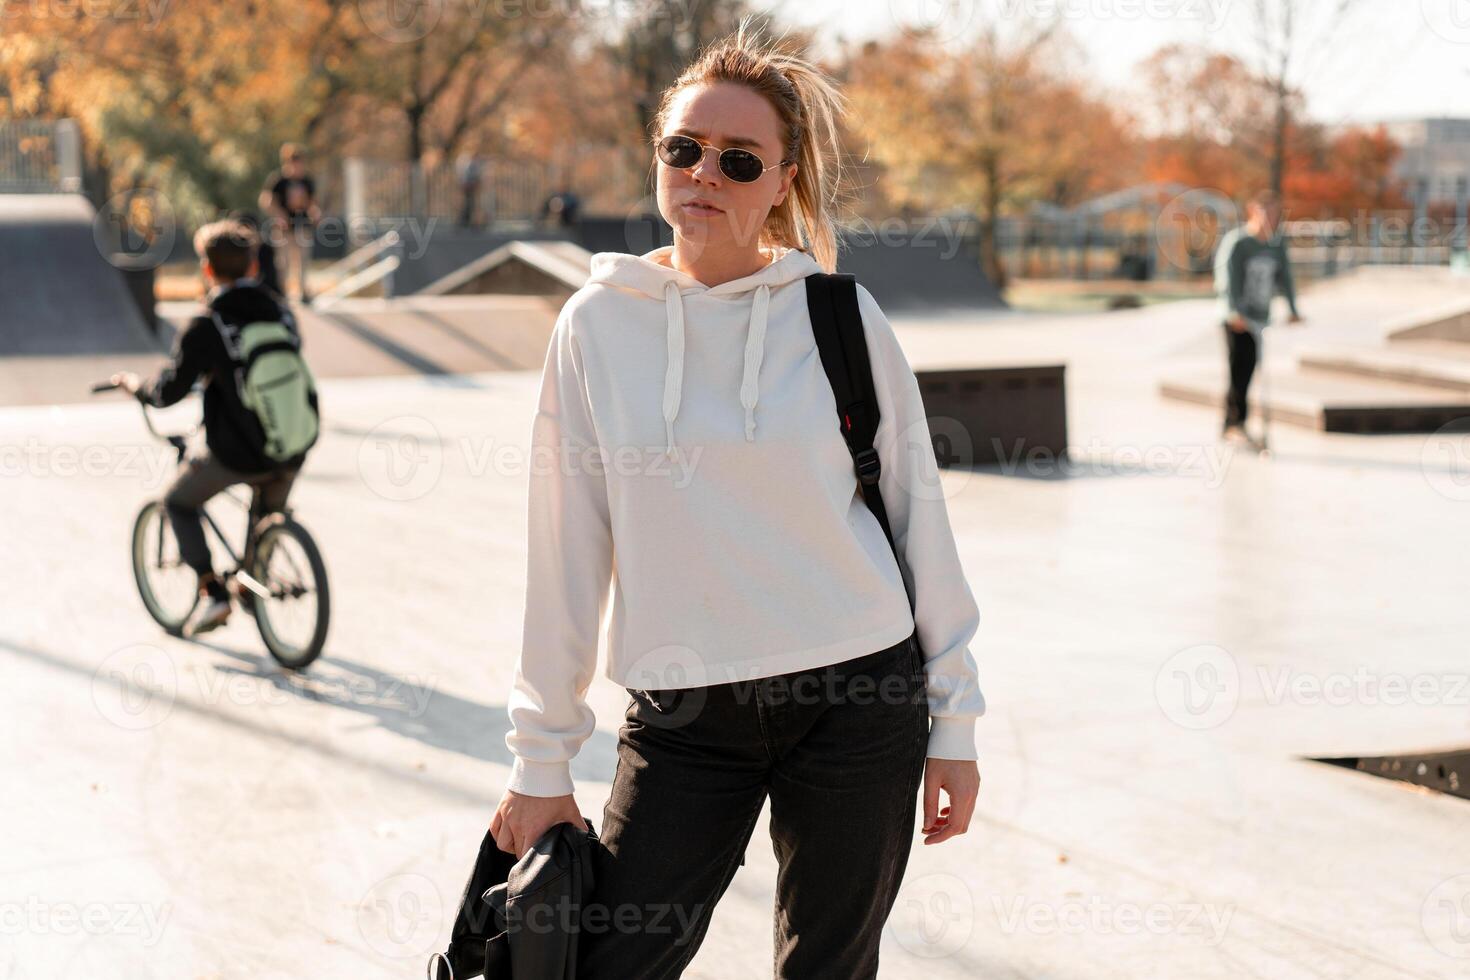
(679, 151)
(741, 165)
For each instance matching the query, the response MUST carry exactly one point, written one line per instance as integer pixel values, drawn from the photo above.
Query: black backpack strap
(837, 322)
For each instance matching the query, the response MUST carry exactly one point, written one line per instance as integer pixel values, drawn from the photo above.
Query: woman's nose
(708, 167)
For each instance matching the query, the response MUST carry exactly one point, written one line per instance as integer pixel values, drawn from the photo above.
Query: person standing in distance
(289, 198)
(1251, 267)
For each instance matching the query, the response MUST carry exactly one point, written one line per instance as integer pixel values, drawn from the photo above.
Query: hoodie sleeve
(945, 614)
(191, 359)
(1229, 278)
(568, 571)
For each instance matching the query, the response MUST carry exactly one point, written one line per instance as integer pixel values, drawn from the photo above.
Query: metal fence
(40, 156)
(508, 190)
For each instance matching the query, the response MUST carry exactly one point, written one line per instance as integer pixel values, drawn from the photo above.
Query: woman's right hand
(520, 820)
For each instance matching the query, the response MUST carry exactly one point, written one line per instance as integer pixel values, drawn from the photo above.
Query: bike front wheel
(169, 588)
(294, 613)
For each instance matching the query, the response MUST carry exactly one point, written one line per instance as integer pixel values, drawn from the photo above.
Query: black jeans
(201, 477)
(840, 751)
(1240, 345)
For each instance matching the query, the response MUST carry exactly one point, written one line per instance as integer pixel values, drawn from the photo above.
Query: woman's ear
(787, 177)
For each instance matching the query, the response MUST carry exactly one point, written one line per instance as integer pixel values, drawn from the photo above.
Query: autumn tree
(1291, 40)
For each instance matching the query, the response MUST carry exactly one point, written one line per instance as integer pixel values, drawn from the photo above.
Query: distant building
(1435, 164)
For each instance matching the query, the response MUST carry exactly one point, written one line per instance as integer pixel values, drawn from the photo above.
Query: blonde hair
(809, 106)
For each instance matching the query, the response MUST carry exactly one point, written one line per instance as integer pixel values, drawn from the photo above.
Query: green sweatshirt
(1248, 273)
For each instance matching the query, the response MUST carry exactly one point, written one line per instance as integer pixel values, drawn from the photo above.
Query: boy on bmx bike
(260, 404)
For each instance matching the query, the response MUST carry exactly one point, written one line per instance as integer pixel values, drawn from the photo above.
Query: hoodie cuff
(540, 778)
(952, 738)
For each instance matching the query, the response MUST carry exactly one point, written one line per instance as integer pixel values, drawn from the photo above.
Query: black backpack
(837, 322)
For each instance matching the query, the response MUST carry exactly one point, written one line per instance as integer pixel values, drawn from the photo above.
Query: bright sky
(1387, 59)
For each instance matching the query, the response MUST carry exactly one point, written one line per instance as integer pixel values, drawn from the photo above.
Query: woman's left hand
(960, 779)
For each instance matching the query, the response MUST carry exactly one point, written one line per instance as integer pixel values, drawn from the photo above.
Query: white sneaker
(212, 616)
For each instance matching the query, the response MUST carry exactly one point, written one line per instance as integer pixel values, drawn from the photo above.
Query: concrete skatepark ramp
(62, 296)
(922, 271)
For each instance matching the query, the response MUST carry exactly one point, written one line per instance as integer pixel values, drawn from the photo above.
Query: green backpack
(274, 384)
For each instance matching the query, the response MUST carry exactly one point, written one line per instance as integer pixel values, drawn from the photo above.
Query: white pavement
(1167, 632)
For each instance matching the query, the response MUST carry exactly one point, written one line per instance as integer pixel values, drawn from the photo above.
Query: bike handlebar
(176, 440)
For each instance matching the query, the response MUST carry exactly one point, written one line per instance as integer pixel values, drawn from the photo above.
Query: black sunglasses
(741, 166)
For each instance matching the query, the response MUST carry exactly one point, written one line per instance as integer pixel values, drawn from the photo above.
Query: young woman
(686, 446)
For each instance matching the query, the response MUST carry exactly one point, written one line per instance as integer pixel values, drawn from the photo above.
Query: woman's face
(722, 115)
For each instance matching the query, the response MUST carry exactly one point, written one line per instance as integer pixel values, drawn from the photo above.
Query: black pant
(201, 477)
(1241, 347)
(840, 751)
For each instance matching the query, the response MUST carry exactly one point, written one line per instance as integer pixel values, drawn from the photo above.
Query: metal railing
(40, 156)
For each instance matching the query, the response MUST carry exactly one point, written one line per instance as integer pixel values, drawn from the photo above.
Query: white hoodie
(686, 448)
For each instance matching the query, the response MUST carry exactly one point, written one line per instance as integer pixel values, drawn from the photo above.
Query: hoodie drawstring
(750, 376)
(755, 347)
(674, 373)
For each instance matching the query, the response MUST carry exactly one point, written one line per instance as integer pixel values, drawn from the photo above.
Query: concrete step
(1329, 402)
(1438, 364)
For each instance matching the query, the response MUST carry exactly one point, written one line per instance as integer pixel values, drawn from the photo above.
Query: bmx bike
(284, 586)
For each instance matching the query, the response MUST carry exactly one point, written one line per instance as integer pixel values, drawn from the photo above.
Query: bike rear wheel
(294, 615)
(169, 588)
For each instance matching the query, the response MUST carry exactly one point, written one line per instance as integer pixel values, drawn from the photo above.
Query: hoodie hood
(647, 274)
(245, 300)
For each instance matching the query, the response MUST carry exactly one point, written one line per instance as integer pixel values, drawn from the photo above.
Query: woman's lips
(700, 210)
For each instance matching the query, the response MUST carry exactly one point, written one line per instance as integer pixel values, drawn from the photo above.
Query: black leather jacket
(522, 918)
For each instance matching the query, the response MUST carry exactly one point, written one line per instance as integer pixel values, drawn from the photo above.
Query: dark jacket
(230, 429)
(521, 919)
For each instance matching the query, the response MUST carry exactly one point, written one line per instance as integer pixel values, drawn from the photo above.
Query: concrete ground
(1168, 631)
